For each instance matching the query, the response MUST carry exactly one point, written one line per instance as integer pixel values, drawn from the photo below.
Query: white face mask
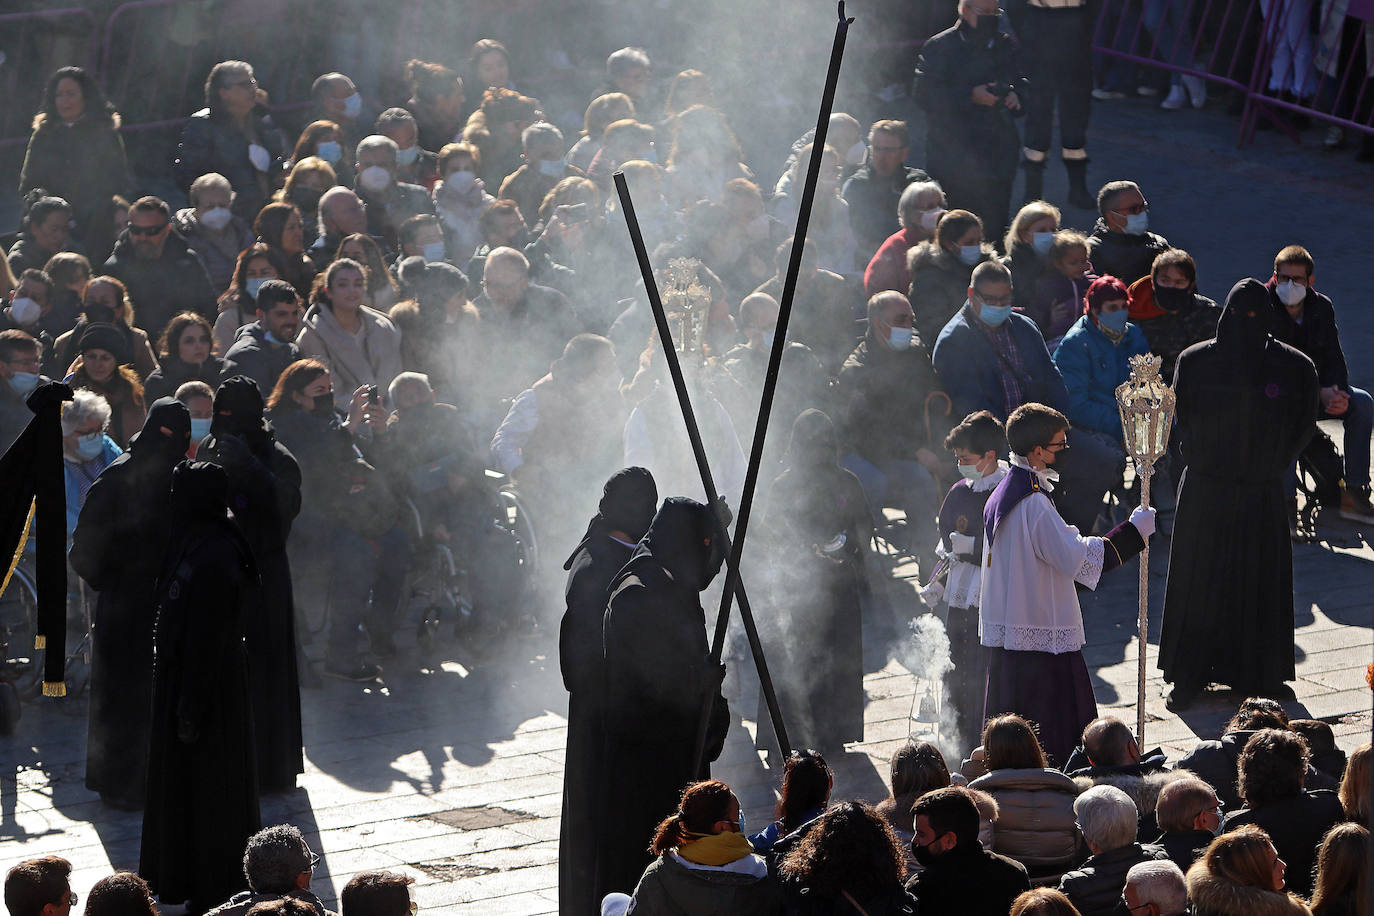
(1291, 293)
(855, 155)
(259, 156)
(900, 338)
(552, 168)
(216, 218)
(374, 178)
(408, 155)
(434, 252)
(25, 311)
(931, 218)
(353, 106)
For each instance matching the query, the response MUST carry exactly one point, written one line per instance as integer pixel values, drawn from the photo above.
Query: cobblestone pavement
(452, 772)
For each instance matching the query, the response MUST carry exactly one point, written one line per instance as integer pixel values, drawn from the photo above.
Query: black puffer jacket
(1296, 825)
(939, 286)
(210, 144)
(163, 286)
(1215, 763)
(1317, 336)
(1096, 887)
(1126, 257)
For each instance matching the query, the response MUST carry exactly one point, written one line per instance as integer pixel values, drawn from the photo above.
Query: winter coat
(895, 902)
(1126, 257)
(66, 349)
(673, 887)
(26, 253)
(970, 368)
(219, 251)
(1213, 895)
(1035, 821)
(1052, 289)
(374, 361)
(888, 395)
(1170, 333)
(84, 164)
(1027, 268)
(163, 286)
(1185, 846)
(242, 902)
(253, 355)
(1096, 886)
(215, 144)
(1141, 781)
(873, 201)
(171, 373)
(395, 205)
(1092, 365)
(1214, 762)
(1296, 825)
(1317, 336)
(970, 882)
(887, 269)
(939, 285)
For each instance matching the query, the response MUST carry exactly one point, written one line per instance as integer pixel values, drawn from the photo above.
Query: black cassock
(118, 548)
(265, 496)
(627, 507)
(1247, 404)
(658, 677)
(202, 769)
(816, 526)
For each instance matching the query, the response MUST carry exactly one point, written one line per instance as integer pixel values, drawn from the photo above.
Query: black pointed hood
(1248, 319)
(628, 502)
(682, 540)
(170, 415)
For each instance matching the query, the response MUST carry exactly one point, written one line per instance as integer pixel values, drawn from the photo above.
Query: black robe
(118, 547)
(1247, 404)
(202, 770)
(265, 496)
(658, 676)
(814, 632)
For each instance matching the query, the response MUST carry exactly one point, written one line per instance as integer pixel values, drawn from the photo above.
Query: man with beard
(202, 775)
(265, 496)
(117, 548)
(1247, 404)
(628, 501)
(658, 675)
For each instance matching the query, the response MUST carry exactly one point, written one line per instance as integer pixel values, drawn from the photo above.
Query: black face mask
(323, 406)
(1172, 299)
(99, 314)
(305, 198)
(923, 855)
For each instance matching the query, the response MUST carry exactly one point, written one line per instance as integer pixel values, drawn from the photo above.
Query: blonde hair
(1030, 213)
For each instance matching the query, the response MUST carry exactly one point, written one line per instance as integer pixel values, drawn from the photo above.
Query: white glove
(932, 594)
(962, 543)
(259, 156)
(1144, 521)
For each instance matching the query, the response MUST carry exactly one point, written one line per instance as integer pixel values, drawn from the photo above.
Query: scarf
(715, 849)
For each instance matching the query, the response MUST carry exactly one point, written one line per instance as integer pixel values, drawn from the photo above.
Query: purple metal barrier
(1191, 37)
(35, 44)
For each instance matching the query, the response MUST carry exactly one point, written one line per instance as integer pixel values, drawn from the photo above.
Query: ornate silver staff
(1146, 403)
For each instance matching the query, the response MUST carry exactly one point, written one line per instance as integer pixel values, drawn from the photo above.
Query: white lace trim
(1055, 640)
(1090, 573)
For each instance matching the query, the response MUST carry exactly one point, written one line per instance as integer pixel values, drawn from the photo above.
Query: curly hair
(1256, 713)
(169, 344)
(1271, 767)
(120, 894)
(703, 805)
(851, 848)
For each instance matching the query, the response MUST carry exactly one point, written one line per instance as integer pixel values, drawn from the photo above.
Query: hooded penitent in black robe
(658, 677)
(202, 769)
(1247, 404)
(118, 547)
(816, 525)
(627, 507)
(265, 496)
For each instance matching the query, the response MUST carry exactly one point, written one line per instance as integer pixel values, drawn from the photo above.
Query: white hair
(907, 204)
(413, 380)
(1160, 883)
(377, 141)
(505, 255)
(625, 59)
(84, 407)
(206, 182)
(541, 132)
(1107, 817)
(327, 200)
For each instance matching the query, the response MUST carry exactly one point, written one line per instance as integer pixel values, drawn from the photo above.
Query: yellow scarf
(715, 848)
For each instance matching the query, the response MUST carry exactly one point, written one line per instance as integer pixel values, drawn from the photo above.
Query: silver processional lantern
(688, 302)
(1146, 404)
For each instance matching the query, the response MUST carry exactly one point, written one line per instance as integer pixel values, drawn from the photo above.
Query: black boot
(1035, 180)
(1079, 195)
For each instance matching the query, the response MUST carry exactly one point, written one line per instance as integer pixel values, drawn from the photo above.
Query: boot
(1035, 180)
(1079, 195)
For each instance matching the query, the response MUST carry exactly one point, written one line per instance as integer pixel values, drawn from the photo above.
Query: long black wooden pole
(665, 336)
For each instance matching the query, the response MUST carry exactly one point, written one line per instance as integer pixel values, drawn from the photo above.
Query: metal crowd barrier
(34, 44)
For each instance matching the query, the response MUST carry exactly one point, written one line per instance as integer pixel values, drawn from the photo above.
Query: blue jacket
(1092, 367)
(971, 371)
(108, 454)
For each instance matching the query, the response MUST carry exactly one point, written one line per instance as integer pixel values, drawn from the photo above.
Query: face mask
(374, 178)
(461, 181)
(273, 339)
(99, 314)
(970, 471)
(23, 383)
(923, 854)
(259, 156)
(323, 406)
(216, 218)
(900, 338)
(970, 254)
(1172, 299)
(200, 428)
(408, 156)
(307, 199)
(1136, 223)
(330, 151)
(993, 315)
(353, 106)
(931, 218)
(986, 27)
(255, 286)
(855, 155)
(757, 228)
(25, 311)
(551, 168)
(1290, 293)
(434, 252)
(91, 446)
(1041, 242)
(1114, 322)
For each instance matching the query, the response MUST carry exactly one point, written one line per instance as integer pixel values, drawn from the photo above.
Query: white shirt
(964, 582)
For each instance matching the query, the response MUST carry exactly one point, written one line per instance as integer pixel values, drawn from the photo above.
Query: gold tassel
(40, 642)
(51, 689)
(19, 550)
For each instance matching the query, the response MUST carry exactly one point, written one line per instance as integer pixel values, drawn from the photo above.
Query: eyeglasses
(995, 301)
(1060, 446)
(70, 899)
(146, 230)
(1138, 906)
(249, 83)
(1136, 210)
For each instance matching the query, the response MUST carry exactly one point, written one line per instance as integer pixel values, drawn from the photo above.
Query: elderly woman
(1107, 818)
(212, 229)
(86, 448)
(918, 210)
(359, 344)
(305, 184)
(281, 226)
(45, 230)
(941, 269)
(101, 369)
(105, 301)
(1027, 246)
(234, 136)
(1241, 874)
(184, 355)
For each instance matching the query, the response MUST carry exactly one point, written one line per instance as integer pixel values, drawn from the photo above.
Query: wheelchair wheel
(515, 518)
(23, 664)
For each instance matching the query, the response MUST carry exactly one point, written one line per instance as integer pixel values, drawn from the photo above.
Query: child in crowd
(1058, 299)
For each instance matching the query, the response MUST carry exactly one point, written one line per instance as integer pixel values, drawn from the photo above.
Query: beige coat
(375, 360)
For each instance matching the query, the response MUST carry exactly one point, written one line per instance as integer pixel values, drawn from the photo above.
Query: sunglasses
(146, 230)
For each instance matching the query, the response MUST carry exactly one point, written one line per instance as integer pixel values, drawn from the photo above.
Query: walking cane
(1146, 404)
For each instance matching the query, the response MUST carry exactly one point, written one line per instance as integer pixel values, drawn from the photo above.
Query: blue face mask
(970, 254)
(1115, 322)
(353, 105)
(253, 285)
(330, 151)
(23, 383)
(900, 338)
(200, 428)
(272, 339)
(1041, 242)
(89, 447)
(993, 315)
(408, 155)
(434, 252)
(1136, 223)
(552, 168)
